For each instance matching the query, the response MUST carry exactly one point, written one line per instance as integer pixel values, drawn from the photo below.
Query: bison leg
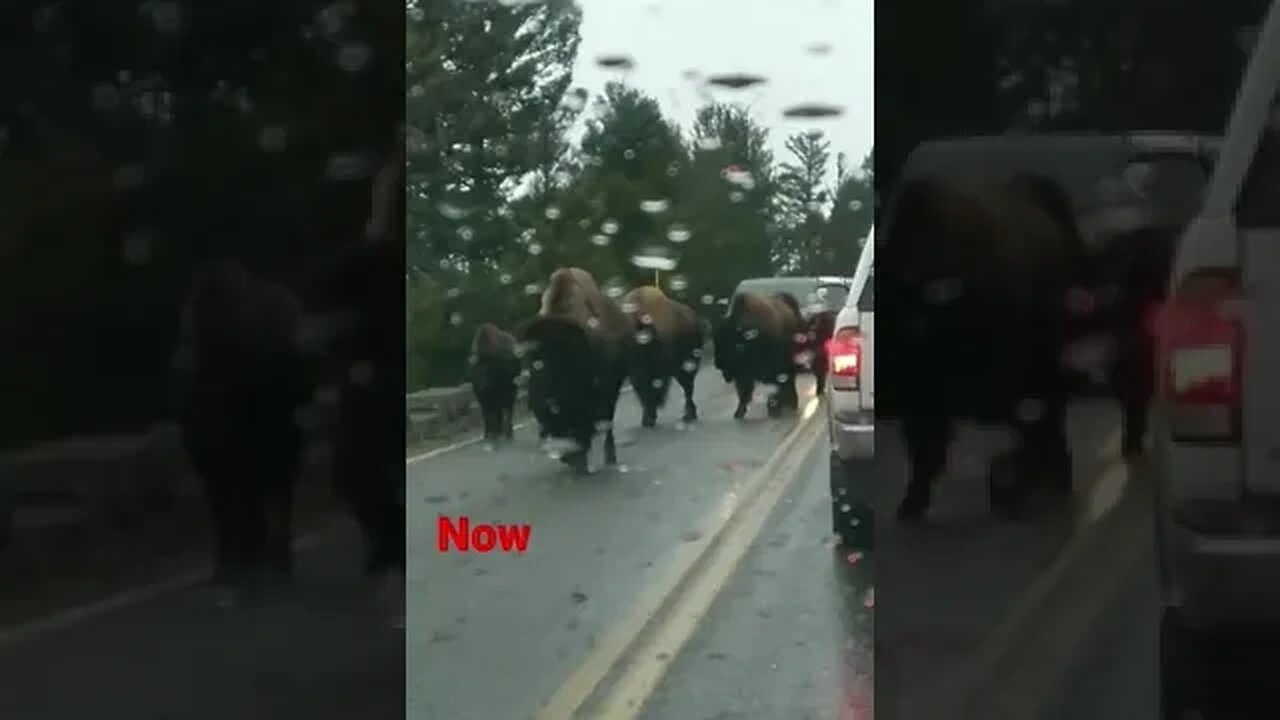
(1133, 386)
(746, 388)
(508, 421)
(686, 379)
(614, 391)
(927, 434)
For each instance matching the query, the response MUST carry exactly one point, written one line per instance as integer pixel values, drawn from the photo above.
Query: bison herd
(987, 290)
(582, 347)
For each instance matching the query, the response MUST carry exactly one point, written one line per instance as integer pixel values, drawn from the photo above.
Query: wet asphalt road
(954, 596)
(787, 637)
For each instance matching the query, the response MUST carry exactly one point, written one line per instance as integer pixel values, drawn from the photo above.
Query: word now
(482, 537)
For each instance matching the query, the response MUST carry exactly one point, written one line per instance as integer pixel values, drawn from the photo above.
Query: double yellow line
(635, 655)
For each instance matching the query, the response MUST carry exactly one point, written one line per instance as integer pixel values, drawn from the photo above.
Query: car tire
(852, 521)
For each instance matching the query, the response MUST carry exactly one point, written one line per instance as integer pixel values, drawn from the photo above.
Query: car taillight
(844, 358)
(1200, 338)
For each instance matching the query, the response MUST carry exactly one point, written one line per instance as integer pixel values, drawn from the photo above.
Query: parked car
(850, 403)
(1215, 454)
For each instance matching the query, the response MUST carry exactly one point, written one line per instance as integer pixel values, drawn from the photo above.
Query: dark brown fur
(669, 341)
(494, 367)
(978, 281)
(578, 349)
(757, 342)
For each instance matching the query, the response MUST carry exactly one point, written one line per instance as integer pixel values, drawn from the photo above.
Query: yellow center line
(619, 643)
(653, 657)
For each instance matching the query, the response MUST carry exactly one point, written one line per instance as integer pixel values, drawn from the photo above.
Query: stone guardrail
(102, 482)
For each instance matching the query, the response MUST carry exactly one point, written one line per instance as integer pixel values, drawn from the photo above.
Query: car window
(867, 299)
(1259, 203)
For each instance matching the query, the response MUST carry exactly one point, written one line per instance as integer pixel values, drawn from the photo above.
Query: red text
(460, 535)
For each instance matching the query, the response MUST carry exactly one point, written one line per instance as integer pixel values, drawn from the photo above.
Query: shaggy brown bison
(243, 384)
(257, 352)
(493, 368)
(979, 282)
(577, 351)
(757, 342)
(668, 344)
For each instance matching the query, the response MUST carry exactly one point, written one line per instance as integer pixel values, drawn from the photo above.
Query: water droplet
(452, 212)
(654, 206)
(600, 240)
(855, 205)
(708, 300)
(616, 61)
(552, 212)
(818, 48)
(273, 138)
(129, 177)
(455, 319)
(736, 196)
(679, 233)
(353, 57)
(709, 143)
(532, 289)
(466, 233)
(609, 227)
(644, 337)
(654, 258)
(576, 99)
(166, 16)
(505, 278)
(736, 81)
(629, 154)
(535, 248)
(678, 283)
(812, 110)
(106, 97)
(136, 248)
(593, 323)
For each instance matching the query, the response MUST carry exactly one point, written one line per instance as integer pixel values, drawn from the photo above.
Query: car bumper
(852, 434)
(1225, 581)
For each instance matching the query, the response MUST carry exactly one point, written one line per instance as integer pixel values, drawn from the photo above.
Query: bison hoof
(740, 413)
(690, 416)
(912, 509)
(648, 421)
(576, 462)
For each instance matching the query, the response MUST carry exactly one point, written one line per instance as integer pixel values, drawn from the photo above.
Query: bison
(242, 384)
(577, 352)
(757, 342)
(494, 367)
(821, 327)
(668, 343)
(979, 282)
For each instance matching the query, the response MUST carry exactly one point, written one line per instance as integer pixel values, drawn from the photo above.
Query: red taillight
(1200, 339)
(844, 354)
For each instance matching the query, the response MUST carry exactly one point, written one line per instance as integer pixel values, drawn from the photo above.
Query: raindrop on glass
(353, 57)
(679, 233)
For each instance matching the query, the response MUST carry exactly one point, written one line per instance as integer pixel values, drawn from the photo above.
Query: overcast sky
(771, 38)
